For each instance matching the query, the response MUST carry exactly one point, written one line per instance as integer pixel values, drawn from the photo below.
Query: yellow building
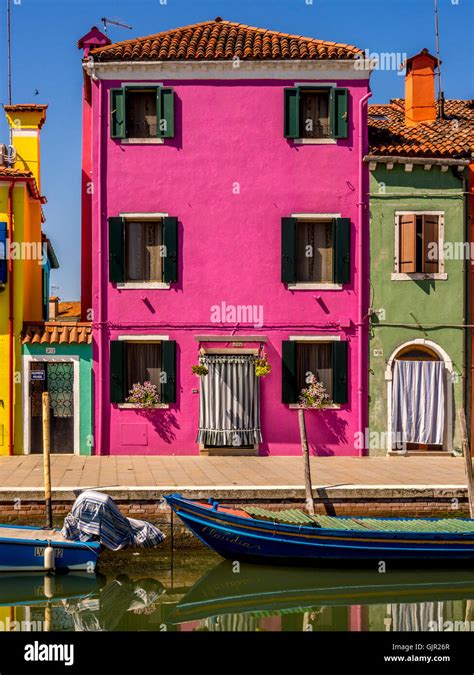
(23, 260)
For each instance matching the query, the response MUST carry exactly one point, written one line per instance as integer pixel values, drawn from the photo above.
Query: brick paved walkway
(231, 472)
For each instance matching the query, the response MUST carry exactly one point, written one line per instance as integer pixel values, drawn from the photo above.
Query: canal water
(197, 591)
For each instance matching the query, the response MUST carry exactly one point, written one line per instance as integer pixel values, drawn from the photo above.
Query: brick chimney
(420, 97)
(53, 307)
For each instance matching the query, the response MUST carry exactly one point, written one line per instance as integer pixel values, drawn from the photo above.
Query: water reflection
(193, 593)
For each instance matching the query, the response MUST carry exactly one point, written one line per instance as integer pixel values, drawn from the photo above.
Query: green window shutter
(339, 372)
(168, 367)
(170, 241)
(117, 371)
(3, 253)
(289, 388)
(292, 112)
(342, 250)
(117, 113)
(116, 250)
(340, 112)
(165, 112)
(288, 250)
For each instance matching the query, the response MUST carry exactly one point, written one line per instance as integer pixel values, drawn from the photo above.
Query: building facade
(222, 229)
(419, 235)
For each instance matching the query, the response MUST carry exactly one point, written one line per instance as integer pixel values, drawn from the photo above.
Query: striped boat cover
(95, 517)
(229, 405)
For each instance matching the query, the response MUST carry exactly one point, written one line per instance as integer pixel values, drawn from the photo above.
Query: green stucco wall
(429, 305)
(84, 351)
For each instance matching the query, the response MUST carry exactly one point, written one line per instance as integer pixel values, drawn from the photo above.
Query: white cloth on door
(418, 408)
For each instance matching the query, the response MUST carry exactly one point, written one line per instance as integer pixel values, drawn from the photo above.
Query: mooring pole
(467, 461)
(46, 460)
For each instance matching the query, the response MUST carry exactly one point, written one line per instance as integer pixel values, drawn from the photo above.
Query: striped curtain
(229, 405)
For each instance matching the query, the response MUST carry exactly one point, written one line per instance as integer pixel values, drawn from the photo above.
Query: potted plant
(146, 395)
(199, 370)
(312, 396)
(262, 365)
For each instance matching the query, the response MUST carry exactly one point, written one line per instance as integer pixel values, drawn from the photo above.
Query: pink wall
(229, 250)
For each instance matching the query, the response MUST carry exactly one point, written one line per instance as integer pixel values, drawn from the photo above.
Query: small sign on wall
(50, 350)
(38, 375)
(378, 352)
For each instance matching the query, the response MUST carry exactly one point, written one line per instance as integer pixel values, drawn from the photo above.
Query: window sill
(330, 406)
(137, 285)
(419, 276)
(302, 286)
(134, 406)
(315, 141)
(142, 141)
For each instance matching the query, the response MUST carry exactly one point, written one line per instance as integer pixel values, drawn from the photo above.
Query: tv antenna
(440, 91)
(112, 22)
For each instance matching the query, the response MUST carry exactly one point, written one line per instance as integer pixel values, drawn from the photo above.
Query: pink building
(226, 218)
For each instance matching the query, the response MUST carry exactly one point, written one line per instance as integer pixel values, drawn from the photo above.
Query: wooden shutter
(170, 241)
(288, 250)
(339, 372)
(342, 250)
(289, 386)
(407, 243)
(340, 112)
(117, 113)
(117, 371)
(430, 236)
(3, 253)
(116, 250)
(168, 367)
(165, 112)
(292, 112)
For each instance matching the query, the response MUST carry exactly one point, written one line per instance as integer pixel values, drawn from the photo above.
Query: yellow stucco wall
(27, 274)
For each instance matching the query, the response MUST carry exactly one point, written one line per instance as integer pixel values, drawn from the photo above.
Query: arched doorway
(419, 398)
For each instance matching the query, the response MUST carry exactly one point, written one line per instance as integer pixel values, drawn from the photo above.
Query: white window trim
(154, 140)
(152, 339)
(441, 275)
(31, 358)
(315, 338)
(143, 285)
(330, 406)
(315, 216)
(302, 286)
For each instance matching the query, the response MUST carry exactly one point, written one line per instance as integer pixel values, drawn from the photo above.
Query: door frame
(448, 380)
(227, 450)
(27, 359)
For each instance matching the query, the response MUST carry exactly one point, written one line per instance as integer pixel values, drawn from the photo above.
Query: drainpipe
(11, 331)
(361, 315)
(100, 270)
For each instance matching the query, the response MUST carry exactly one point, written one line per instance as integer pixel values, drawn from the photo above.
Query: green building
(57, 358)
(418, 338)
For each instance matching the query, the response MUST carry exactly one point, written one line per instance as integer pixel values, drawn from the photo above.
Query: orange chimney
(420, 98)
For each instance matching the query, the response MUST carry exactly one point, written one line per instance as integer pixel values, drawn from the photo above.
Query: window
(418, 243)
(326, 359)
(133, 362)
(315, 251)
(143, 251)
(142, 112)
(315, 112)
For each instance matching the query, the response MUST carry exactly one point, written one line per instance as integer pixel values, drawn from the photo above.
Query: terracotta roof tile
(69, 310)
(450, 137)
(10, 172)
(59, 332)
(26, 107)
(222, 40)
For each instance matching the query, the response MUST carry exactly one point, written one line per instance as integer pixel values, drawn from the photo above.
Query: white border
(315, 338)
(419, 276)
(26, 360)
(449, 371)
(143, 338)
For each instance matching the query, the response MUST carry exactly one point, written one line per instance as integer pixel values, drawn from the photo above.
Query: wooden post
(467, 461)
(46, 461)
(307, 468)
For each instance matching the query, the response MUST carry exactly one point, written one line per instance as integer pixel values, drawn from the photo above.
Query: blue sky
(45, 58)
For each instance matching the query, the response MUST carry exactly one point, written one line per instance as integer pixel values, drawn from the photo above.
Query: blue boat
(30, 588)
(22, 549)
(292, 537)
